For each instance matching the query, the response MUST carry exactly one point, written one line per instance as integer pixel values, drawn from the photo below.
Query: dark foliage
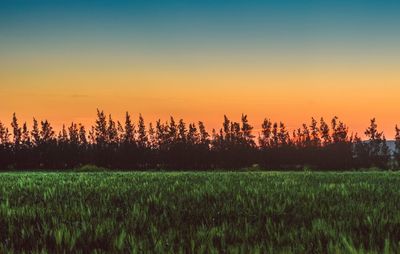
(176, 145)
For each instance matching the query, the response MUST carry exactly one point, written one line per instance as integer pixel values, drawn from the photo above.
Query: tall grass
(251, 212)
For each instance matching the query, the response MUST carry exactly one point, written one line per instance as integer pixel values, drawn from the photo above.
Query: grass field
(200, 212)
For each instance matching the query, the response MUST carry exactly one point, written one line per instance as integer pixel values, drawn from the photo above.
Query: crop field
(213, 212)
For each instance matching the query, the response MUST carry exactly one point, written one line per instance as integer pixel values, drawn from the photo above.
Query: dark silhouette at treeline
(174, 144)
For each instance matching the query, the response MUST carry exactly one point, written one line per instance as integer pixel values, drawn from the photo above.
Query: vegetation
(253, 212)
(176, 145)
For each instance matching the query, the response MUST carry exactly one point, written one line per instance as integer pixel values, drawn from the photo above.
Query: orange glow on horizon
(291, 93)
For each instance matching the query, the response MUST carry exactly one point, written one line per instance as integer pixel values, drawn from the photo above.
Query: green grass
(253, 212)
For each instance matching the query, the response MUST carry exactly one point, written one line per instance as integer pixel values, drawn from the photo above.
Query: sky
(286, 60)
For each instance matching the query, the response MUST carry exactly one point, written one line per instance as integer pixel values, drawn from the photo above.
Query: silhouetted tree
(152, 138)
(100, 129)
(129, 136)
(226, 128)
(283, 135)
(306, 137)
(25, 137)
(182, 131)
(264, 138)
(120, 133)
(236, 136)
(247, 131)
(127, 153)
(142, 135)
(314, 132)
(63, 136)
(82, 135)
(337, 152)
(361, 153)
(112, 132)
(193, 136)
(48, 146)
(5, 152)
(92, 135)
(73, 147)
(275, 137)
(47, 133)
(35, 133)
(16, 132)
(324, 132)
(73, 133)
(172, 131)
(99, 137)
(204, 136)
(377, 147)
(396, 153)
(340, 131)
(4, 135)
(162, 136)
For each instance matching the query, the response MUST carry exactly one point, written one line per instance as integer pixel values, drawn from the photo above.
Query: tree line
(177, 145)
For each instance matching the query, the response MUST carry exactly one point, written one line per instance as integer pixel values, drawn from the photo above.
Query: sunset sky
(198, 60)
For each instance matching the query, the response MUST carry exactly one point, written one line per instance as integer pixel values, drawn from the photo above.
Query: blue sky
(171, 22)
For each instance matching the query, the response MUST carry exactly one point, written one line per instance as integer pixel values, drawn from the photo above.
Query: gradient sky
(285, 60)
